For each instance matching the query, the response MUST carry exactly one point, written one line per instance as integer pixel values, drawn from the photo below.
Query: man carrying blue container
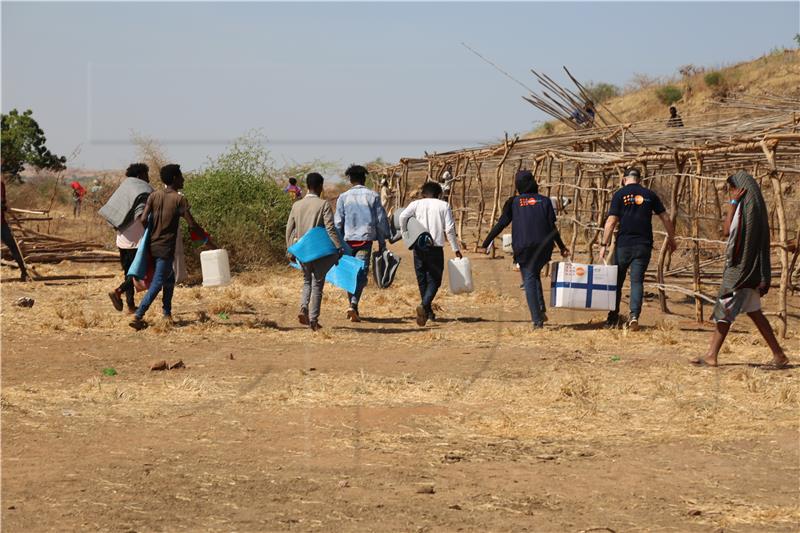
(308, 213)
(361, 219)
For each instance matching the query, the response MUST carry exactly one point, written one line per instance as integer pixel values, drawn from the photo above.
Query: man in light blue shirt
(361, 219)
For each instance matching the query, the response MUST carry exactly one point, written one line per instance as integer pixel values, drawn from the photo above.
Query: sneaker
(138, 324)
(633, 324)
(422, 316)
(431, 316)
(302, 316)
(352, 315)
(315, 326)
(116, 299)
(538, 325)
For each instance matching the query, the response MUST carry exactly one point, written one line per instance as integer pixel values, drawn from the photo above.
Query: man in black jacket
(532, 235)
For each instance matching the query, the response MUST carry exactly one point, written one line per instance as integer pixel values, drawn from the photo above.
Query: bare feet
(778, 362)
(706, 360)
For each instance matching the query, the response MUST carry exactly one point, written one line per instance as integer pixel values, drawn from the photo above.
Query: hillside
(775, 73)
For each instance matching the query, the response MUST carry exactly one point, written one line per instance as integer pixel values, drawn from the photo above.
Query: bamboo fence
(686, 166)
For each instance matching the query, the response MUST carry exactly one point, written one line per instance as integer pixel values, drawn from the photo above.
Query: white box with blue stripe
(578, 286)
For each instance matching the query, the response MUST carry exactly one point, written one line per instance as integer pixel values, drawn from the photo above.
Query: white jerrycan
(459, 273)
(507, 246)
(216, 268)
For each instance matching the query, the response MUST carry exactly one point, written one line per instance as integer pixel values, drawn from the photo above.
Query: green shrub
(600, 92)
(668, 94)
(237, 200)
(713, 79)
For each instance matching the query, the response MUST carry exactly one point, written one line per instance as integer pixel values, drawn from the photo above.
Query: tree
(23, 143)
(797, 39)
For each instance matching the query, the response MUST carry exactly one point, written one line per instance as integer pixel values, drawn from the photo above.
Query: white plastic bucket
(216, 268)
(507, 243)
(459, 273)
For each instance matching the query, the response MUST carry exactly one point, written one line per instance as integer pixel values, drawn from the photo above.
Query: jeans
(126, 257)
(636, 258)
(365, 254)
(163, 277)
(314, 283)
(429, 266)
(8, 240)
(532, 281)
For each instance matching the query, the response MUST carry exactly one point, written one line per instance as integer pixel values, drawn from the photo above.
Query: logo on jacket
(526, 202)
(633, 199)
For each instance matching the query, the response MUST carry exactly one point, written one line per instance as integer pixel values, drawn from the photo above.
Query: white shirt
(437, 218)
(128, 238)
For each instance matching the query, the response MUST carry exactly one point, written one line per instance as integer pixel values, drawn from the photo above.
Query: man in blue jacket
(361, 219)
(533, 234)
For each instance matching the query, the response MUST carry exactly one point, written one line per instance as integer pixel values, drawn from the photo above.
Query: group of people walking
(359, 221)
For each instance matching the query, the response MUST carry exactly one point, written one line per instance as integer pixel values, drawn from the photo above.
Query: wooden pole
(673, 216)
(695, 205)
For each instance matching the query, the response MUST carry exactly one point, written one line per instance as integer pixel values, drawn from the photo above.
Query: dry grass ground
(474, 423)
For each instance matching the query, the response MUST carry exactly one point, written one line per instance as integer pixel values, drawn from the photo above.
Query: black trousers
(126, 258)
(429, 266)
(8, 240)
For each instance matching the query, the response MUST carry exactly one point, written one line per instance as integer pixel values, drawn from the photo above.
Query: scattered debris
(695, 512)
(110, 371)
(159, 365)
(223, 315)
(230, 356)
(24, 301)
(452, 457)
(177, 364)
(455, 506)
(343, 484)
(426, 488)
(547, 457)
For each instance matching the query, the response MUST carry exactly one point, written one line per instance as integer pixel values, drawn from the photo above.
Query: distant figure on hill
(633, 207)
(436, 217)
(122, 211)
(584, 117)
(307, 213)
(8, 237)
(293, 190)
(78, 192)
(361, 219)
(533, 233)
(747, 274)
(675, 120)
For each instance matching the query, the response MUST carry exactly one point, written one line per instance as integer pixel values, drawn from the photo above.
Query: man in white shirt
(436, 216)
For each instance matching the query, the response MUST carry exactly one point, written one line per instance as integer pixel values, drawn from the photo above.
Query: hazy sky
(340, 81)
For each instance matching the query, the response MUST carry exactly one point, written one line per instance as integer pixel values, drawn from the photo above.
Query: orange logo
(580, 271)
(639, 199)
(525, 202)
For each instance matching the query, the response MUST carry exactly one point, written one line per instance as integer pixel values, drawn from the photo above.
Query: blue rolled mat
(345, 274)
(141, 262)
(314, 244)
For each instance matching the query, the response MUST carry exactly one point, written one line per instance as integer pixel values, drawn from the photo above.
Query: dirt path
(272, 428)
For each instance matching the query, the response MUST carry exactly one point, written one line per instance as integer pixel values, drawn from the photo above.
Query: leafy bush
(668, 94)
(713, 79)
(797, 39)
(600, 92)
(237, 200)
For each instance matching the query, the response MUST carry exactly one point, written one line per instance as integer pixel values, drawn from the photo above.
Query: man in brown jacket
(307, 213)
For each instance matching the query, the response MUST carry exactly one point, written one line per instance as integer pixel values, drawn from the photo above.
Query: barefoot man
(747, 273)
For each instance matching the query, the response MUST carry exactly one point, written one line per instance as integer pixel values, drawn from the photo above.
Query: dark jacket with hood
(534, 230)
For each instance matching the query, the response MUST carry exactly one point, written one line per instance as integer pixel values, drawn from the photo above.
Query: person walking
(533, 234)
(311, 212)
(436, 217)
(747, 274)
(633, 207)
(361, 219)
(166, 206)
(122, 211)
(8, 236)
